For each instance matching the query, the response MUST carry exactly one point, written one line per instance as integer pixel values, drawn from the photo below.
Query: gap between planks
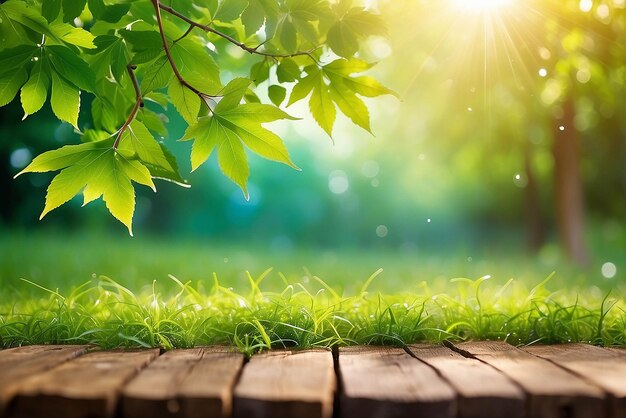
(285, 384)
(552, 391)
(189, 383)
(604, 368)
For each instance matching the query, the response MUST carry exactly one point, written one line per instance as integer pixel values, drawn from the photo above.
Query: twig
(138, 104)
(157, 8)
(249, 49)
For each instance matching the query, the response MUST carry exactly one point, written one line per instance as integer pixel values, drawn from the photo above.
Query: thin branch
(157, 8)
(249, 49)
(138, 104)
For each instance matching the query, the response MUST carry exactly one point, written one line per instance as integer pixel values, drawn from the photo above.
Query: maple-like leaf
(97, 170)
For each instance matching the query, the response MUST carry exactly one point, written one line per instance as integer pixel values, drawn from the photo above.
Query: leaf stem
(138, 104)
(252, 50)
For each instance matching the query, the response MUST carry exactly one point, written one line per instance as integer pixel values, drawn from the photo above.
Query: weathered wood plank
(20, 363)
(602, 367)
(199, 394)
(285, 384)
(483, 391)
(85, 387)
(379, 382)
(184, 384)
(552, 391)
(618, 350)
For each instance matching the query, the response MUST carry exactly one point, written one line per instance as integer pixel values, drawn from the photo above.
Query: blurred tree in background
(525, 91)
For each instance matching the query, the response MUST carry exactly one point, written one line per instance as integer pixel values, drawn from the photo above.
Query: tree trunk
(568, 189)
(535, 225)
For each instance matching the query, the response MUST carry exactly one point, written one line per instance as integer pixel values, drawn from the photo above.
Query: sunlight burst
(482, 5)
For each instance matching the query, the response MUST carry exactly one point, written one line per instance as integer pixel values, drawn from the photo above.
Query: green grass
(50, 296)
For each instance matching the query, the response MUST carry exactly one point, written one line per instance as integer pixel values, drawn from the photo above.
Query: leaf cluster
(136, 58)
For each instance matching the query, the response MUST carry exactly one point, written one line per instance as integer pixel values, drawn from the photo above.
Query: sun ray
(481, 5)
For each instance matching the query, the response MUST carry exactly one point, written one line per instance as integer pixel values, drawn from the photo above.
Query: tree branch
(249, 49)
(138, 104)
(157, 8)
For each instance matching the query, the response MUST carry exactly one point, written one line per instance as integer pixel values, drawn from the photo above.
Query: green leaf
(364, 23)
(72, 67)
(97, 170)
(305, 85)
(50, 9)
(260, 12)
(108, 13)
(104, 114)
(187, 102)
(10, 84)
(232, 160)
(72, 9)
(364, 85)
(288, 71)
(206, 137)
(211, 132)
(260, 140)
(142, 40)
(157, 97)
(320, 104)
(260, 113)
(251, 97)
(153, 121)
(348, 66)
(138, 139)
(26, 15)
(277, 94)
(120, 58)
(93, 135)
(356, 24)
(368, 86)
(168, 174)
(156, 76)
(350, 104)
(35, 91)
(233, 93)
(342, 40)
(260, 71)
(73, 35)
(253, 17)
(16, 57)
(229, 10)
(196, 65)
(288, 35)
(65, 100)
(63, 157)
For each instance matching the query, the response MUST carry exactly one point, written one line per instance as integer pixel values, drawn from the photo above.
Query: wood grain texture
(20, 363)
(382, 382)
(618, 350)
(285, 384)
(84, 387)
(552, 391)
(602, 367)
(184, 384)
(483, 391)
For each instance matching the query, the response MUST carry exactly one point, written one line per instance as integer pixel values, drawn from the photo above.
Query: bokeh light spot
(609, 270)
(338, 182)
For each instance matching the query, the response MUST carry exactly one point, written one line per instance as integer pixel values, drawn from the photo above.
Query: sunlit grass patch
(105, 313)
